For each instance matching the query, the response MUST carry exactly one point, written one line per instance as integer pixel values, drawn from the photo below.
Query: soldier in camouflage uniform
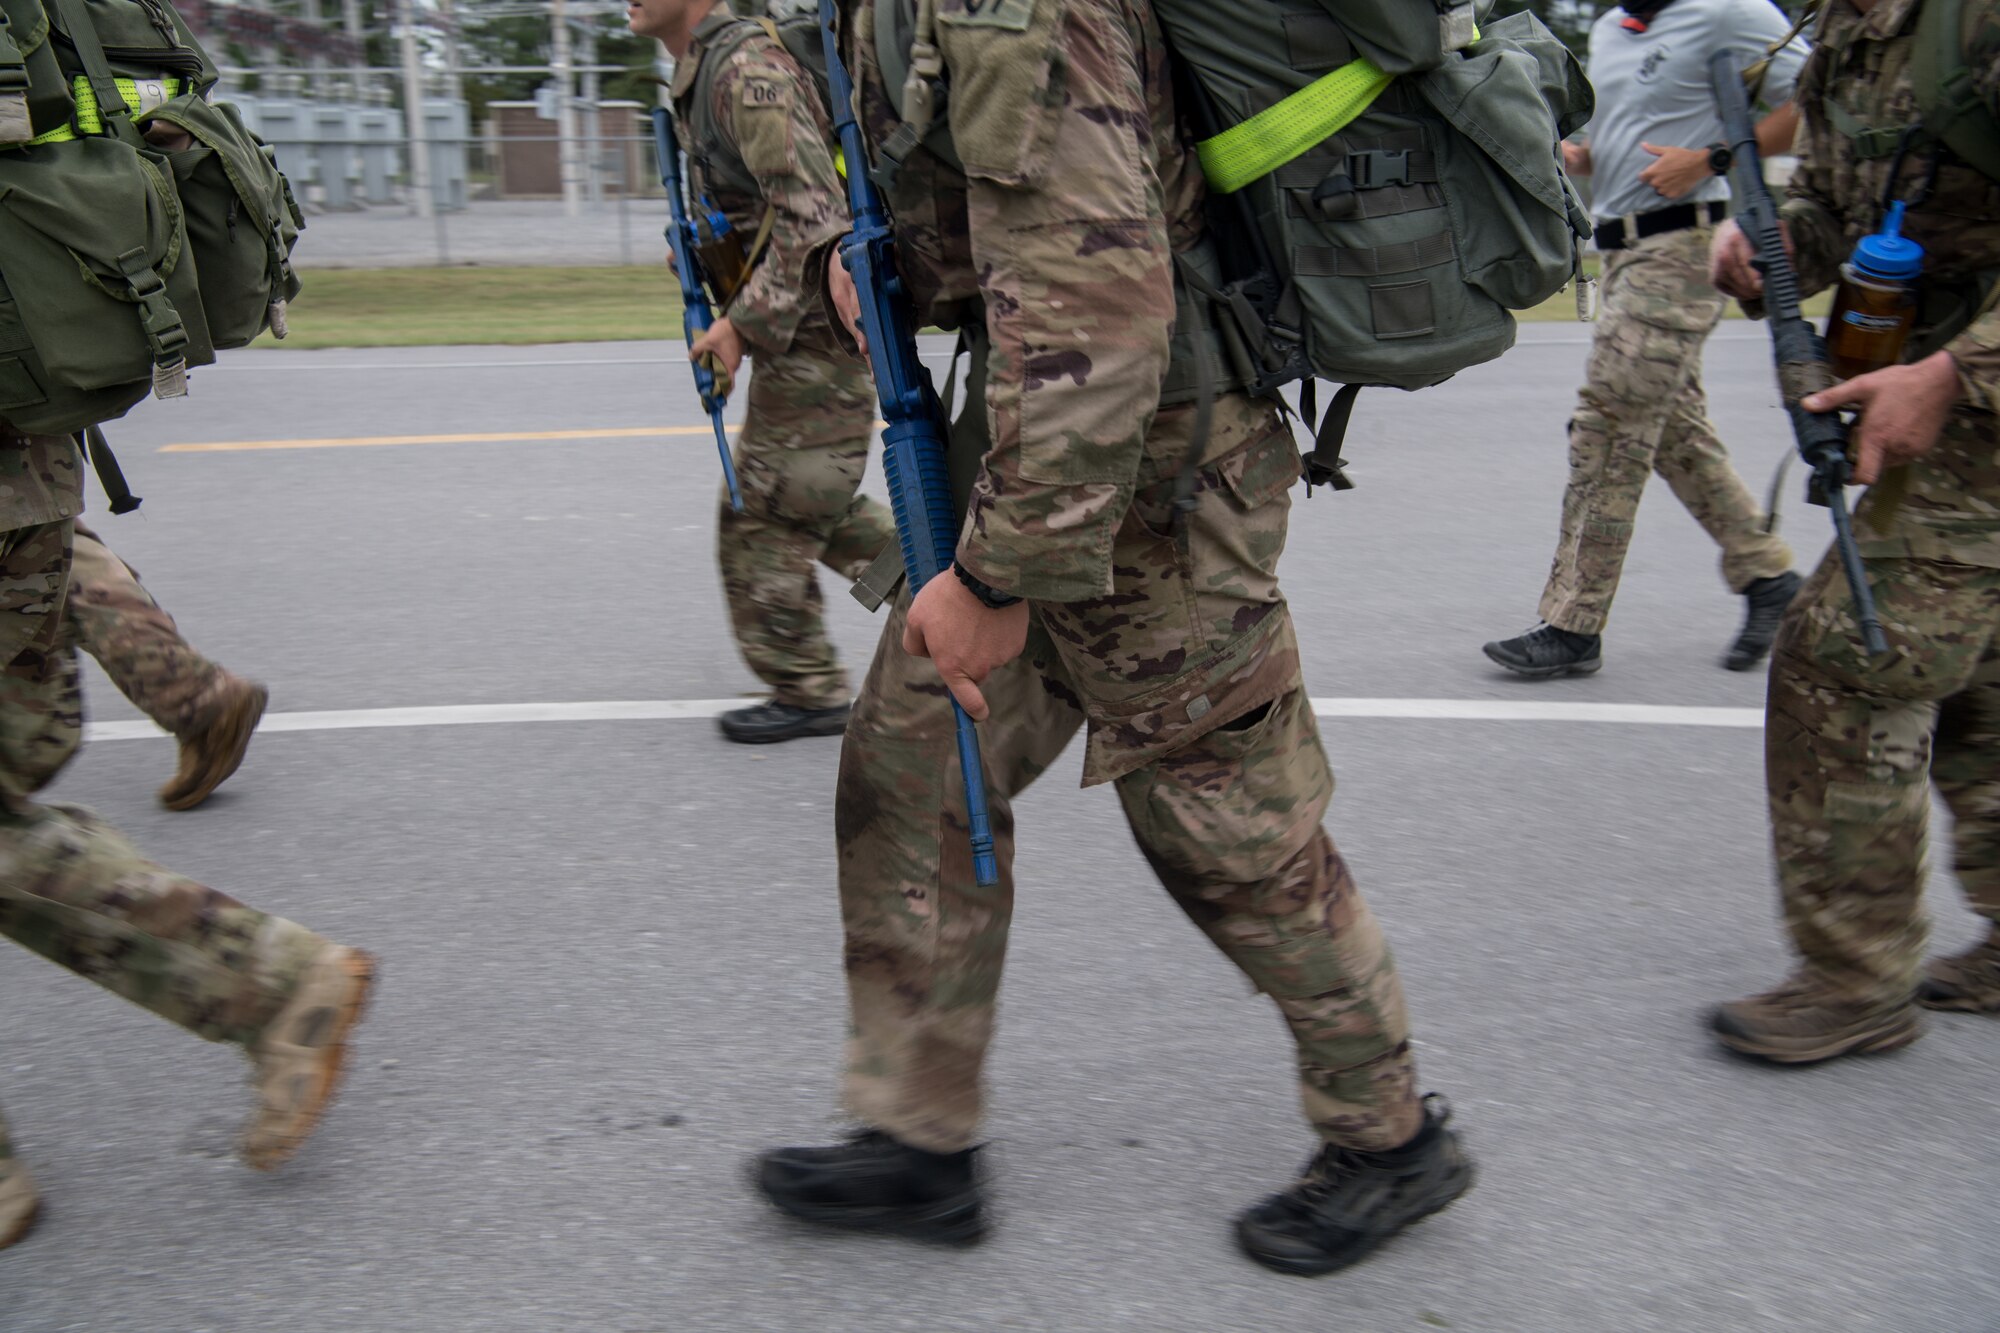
(74, 891)
(1642, 409)
(1080, 599)
(210, 711)
(1853, 745)
(756, 139)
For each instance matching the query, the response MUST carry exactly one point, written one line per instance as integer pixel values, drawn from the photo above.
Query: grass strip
(414, 307)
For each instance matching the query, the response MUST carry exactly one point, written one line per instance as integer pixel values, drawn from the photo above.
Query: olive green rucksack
(1385, 177)
(122, 264)
(1386, 186)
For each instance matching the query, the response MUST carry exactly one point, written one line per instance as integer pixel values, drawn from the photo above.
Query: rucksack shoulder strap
(1948, 102)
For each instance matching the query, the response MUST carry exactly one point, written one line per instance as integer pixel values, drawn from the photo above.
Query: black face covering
(1643, 12)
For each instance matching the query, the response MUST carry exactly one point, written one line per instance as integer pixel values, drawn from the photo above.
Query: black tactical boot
(1348, 1202)
(1548, 651)
(1765, 603)
(873, 1183)
(761, 724)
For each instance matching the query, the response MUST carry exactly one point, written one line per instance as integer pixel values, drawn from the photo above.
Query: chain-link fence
(508, 190)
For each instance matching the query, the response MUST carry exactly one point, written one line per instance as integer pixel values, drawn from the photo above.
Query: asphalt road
(611, 955)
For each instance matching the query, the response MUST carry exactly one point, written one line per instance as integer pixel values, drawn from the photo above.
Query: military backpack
(1385, 177)
(123, 263)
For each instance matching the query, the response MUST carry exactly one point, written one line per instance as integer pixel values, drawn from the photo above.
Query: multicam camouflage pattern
(1642, 410)
(39, 485)
(1077, 189)
(763, 125)
(811, 407)
(1229, 817)
(115, 620)
(19, 1202)
(71, 888)
(799, 462)
(1950, 510)
(1853, 746)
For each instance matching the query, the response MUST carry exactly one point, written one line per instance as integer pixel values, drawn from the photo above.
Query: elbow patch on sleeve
(1006, 64)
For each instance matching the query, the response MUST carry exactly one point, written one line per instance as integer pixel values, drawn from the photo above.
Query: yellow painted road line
(487, 437)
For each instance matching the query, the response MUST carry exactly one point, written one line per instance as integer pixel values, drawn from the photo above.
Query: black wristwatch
(989, 597)
(1720, 158)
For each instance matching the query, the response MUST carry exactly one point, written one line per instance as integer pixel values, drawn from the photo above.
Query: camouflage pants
(71, 887)
(116, 621)
(799, 461)
(1642, 410)
(1851, 750)
(1194, 635)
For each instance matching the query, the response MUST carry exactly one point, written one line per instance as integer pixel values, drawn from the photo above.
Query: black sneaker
(762, 724)
(1765, 602)
(874, 1183)
(1548, 651)
(1348, 1202)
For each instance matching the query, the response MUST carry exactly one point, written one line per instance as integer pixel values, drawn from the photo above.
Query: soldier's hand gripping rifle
(695, 314)
(1804, 368)
(913, 453)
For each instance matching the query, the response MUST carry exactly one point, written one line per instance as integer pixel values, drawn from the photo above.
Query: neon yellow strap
(87, 118)
(1274, 136)
(1277, 134)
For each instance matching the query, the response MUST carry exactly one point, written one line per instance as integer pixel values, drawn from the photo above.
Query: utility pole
(414, 129)
(566, 145)
(350, 19)
(454, 79)
(594, 123)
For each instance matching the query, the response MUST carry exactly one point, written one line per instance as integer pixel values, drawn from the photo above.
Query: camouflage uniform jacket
(1859, 73)
(1076, 190)
(41, 479)
(764, 113)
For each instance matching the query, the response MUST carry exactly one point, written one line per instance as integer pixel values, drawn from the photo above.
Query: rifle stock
(695, 314)
(1804, 367)
(913, 441)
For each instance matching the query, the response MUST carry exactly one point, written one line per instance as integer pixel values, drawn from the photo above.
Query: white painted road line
(682, 710)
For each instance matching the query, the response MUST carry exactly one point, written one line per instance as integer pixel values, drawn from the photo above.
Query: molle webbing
(1868, 142)
(1319, 261)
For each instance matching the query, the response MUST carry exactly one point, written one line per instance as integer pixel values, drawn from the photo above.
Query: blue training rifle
(913, 454)
(695, 314)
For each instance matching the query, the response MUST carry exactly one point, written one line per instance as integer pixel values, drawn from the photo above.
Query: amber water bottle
(1876, 304)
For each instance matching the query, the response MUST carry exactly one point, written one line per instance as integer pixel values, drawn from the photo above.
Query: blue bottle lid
(1888, 255)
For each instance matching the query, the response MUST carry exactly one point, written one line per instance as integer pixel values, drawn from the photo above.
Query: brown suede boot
(20, 1205)
(302, 1053)
(210, 755)
(1804, 1021)
(1968, 982)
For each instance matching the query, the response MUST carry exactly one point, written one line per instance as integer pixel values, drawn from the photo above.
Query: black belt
(1619, 233)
